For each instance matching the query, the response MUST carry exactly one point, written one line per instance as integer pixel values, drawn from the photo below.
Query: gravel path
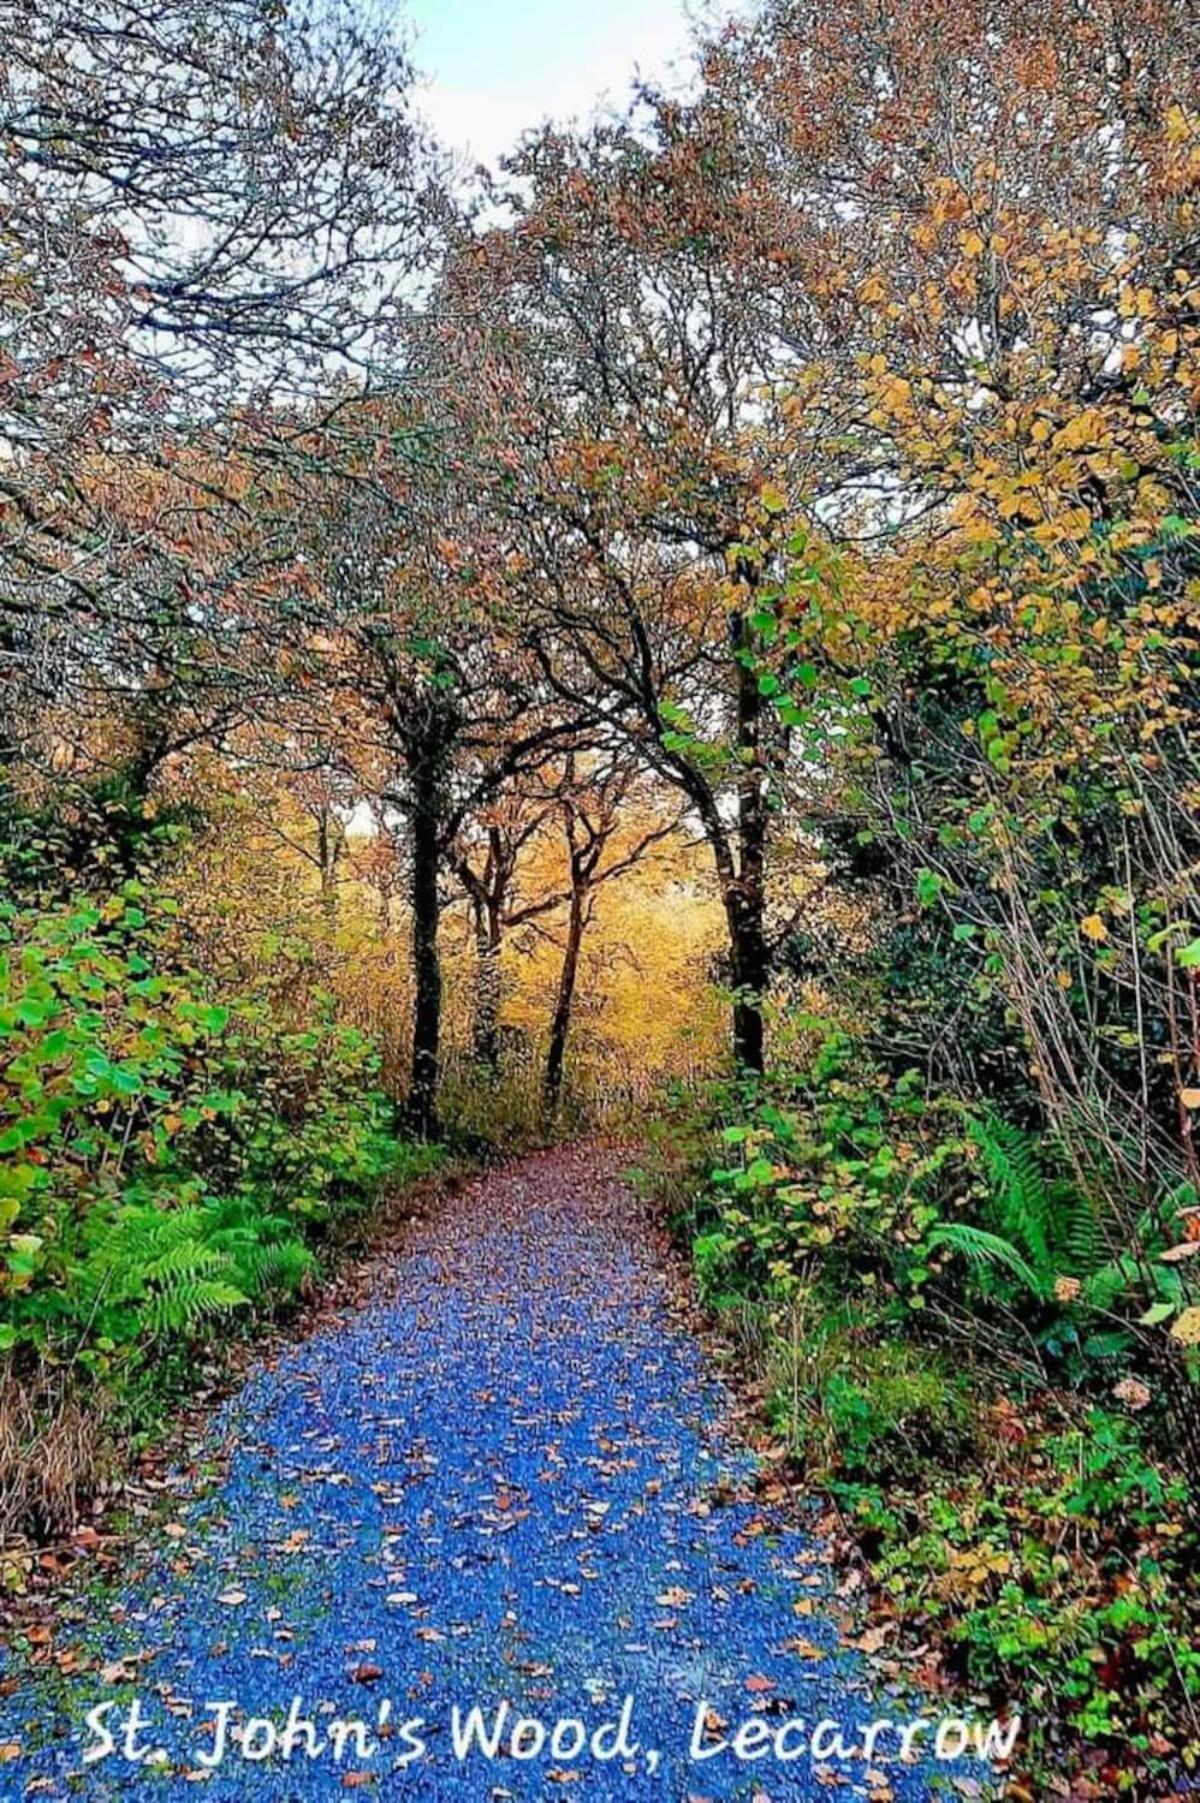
(502, 1479)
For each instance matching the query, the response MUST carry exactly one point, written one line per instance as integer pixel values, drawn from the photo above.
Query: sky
(495, 67)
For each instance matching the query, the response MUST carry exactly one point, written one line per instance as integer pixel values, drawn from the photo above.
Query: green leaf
(929, 887)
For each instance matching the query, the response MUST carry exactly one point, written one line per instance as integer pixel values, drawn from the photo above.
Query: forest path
(494, 1480)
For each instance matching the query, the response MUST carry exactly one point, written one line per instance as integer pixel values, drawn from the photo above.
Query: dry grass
(48, 1456)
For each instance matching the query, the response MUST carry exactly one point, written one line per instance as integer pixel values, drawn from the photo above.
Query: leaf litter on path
(506, 1475)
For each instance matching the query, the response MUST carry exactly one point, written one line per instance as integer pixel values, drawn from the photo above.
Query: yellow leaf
(1177, 125)
(1190, 1098)
(1187, 1327)
(1094, 928)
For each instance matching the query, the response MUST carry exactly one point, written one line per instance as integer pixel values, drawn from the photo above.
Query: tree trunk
(561, 1024)
(748, 958)
(327, 853)
(427, 972)
(485, 1029)
(745, 904)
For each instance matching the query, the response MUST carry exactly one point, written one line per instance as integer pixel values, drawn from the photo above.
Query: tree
(1013, 211)
(596, 801)
(1000, 218)
(213, 219)
(485, 857)
(447, 706)
(618, 361)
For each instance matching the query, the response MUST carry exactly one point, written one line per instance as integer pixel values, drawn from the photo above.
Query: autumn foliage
(707, 620)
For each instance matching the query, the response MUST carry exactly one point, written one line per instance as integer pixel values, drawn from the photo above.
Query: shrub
(1058, 1570)
(943, 1328)
(168, 1158)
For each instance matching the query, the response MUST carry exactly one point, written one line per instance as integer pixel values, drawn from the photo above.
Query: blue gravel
(502, 1480)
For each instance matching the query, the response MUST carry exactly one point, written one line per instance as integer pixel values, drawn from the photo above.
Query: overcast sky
(496, 66)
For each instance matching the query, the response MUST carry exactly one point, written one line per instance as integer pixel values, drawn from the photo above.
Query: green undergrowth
(177, 1163)
(953, 1353)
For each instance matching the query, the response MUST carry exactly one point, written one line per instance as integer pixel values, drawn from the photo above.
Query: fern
(984, 1249)
(275, 1270)
(183, 1307)
(1084, 1243)
(158, 1272)
(1019, 1193)
(270, 1259)
(161, 1264)
(1047, 1221)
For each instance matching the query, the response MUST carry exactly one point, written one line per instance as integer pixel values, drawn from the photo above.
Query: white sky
(495, 67)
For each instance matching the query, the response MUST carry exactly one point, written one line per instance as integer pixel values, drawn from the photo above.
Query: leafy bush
(167, 1158)
(1057, 1569)
(926, 1291)
(879, 1187)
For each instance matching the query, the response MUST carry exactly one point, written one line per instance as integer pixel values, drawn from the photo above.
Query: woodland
(690, 638)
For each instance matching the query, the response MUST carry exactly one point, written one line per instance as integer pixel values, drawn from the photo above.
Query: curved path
(503, 1479)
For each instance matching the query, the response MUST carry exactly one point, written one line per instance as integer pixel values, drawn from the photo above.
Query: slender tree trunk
(327, 853)
(427, 972)
(739, 853)
(488, 940)
(745, 903)
(561, 1024)
(748, 959)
